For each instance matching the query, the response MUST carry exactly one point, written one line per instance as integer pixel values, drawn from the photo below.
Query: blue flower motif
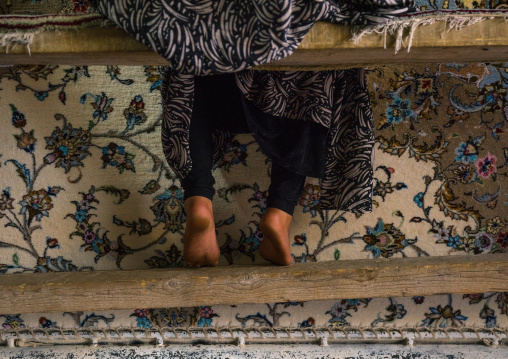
(99, 246)
(64, 150)
(155, 85)
(398, 111)
(172, 192)
(467, 152)
(385, 240)
(375, 250)
(308, 323)
(444, 316)
(418, 199)
(41, 95)
(133, 120)
(400, 311)
(491, 322)
(205, 322)
(115, 156)
(36, 204)
(143, 322)
(310, 199)
(18, 119)
(101, 105)
(353, 302)
(254, 240)
(454, 242)
(13, 321)
(46, 323)
(80, 215)
(169, 209)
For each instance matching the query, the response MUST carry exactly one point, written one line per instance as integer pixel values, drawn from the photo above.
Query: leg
(200, 246)
(217, 105)
(283, 195)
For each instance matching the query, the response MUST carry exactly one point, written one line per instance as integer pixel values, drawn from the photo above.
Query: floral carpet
(84, 187)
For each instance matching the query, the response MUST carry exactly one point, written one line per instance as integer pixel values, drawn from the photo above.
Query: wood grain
(110, 290)
(326, 45)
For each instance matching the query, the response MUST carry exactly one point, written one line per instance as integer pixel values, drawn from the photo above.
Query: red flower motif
(52, 242)
(206, 312)
(502, 239)
(141, 313)
(486, 166)
(81, 6)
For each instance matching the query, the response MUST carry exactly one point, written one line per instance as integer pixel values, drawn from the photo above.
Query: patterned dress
(204, 37)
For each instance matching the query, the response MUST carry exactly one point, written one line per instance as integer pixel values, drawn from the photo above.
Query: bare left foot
(200, 246)
(275, 246)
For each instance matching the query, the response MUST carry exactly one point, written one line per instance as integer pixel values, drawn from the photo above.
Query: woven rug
(84, 187)
(44, 7)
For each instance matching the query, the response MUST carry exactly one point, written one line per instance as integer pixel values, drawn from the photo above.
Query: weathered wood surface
(109, 290)
(325, 45)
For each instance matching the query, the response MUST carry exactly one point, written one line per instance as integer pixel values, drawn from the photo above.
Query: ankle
(276, 217)
(197, 203)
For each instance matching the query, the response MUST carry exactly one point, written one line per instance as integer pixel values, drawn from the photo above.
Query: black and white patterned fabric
(204, 37)
(338, 100)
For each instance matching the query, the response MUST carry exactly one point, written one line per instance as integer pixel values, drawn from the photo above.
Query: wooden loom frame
(326, 46)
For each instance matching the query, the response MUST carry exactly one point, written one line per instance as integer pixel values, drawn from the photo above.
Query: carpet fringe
(403, 30)
(241, 336)
(9, 40)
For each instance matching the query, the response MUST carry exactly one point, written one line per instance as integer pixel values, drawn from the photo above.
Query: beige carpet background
(85, 187)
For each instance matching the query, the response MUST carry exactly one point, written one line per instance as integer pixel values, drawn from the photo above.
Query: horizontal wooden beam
(228, 285)
(326, 45)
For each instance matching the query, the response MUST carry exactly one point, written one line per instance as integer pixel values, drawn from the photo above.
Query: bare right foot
(200, 246)
(275, 246)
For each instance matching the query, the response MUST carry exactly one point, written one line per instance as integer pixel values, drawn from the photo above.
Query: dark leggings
(218, 105)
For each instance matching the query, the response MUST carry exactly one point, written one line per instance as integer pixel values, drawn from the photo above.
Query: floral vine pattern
(85, 187)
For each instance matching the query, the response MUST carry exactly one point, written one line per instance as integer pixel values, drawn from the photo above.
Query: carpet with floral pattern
(84, 187)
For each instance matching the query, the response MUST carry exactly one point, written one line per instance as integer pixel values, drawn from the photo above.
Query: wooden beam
(326, 45)
(227, 285)
(90, 46)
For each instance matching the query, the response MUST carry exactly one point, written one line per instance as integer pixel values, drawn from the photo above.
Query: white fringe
(398, 29)
(243, 336)
(17, 38)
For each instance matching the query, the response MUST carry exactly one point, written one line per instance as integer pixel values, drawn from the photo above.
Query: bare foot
(200, 246)
(275, 245)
